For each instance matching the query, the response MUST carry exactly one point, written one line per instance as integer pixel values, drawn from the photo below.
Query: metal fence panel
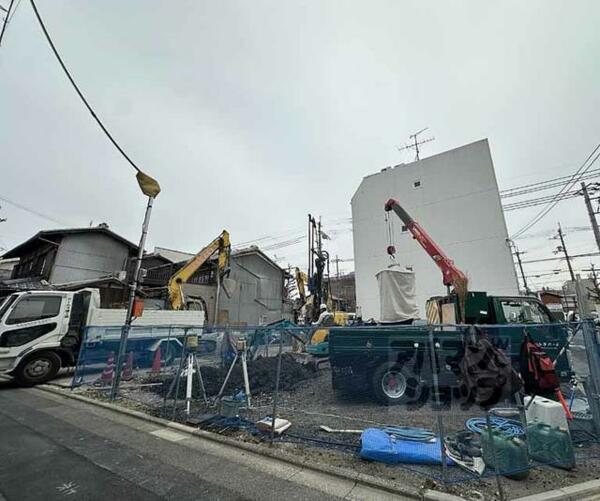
(358, 384)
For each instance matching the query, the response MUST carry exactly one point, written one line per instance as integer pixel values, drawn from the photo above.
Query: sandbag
(377, 445)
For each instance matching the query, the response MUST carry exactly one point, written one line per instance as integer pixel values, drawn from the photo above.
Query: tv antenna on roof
(415, 143)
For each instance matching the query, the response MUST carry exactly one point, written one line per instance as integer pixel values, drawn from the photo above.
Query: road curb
(577, 492)
(342, 473)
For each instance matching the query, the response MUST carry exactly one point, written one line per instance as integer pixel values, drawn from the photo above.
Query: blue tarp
(377, 445)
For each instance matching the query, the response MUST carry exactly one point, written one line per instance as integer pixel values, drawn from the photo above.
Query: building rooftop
(40, 235)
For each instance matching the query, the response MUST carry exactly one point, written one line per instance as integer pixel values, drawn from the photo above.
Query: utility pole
(591, 213)
(563, 248)
(337, 266)
(518, 254)
(594, 276)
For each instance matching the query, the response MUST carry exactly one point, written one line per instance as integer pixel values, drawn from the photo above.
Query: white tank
(546, 411)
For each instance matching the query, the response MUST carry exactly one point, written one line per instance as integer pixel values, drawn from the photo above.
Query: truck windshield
(5, 305)
(523, 311)
(32, 308)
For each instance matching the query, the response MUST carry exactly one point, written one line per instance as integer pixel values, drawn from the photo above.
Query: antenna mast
(414, 144)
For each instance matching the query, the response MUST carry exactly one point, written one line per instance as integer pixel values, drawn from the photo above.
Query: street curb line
(342, 473)
(441, 496)
(572, 493)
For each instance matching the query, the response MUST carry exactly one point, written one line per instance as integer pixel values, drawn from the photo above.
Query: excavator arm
(301, 280)
(451, 275)
(174, 287)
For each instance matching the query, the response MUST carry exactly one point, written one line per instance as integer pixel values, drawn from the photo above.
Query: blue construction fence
(156, 350)
(384, 397)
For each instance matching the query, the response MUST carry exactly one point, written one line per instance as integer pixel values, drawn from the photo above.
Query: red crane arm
(450, 273)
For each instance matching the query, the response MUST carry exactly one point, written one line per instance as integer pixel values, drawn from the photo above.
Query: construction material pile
(262, 374)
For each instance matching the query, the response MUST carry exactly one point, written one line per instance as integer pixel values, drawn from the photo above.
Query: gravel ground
(311, 403)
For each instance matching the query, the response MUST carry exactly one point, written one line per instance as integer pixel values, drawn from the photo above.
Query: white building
(454, 196)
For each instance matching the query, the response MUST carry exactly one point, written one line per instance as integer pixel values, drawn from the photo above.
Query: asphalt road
(57, 448)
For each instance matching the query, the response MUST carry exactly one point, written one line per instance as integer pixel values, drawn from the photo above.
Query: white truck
(42, 331)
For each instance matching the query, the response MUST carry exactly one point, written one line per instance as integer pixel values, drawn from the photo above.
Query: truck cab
(41, 331)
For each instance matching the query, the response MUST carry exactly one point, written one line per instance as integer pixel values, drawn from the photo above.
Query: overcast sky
(253, 113)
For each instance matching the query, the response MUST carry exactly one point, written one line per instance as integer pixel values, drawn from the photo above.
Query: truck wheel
(395, 384)
(37, 368)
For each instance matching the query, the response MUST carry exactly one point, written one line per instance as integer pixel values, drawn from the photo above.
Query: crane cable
(391, 249)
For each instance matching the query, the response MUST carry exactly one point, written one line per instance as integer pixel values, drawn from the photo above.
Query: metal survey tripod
(241, 353)
(188, 364)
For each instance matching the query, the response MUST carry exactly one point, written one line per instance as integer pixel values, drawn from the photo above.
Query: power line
(559, 258)
(292, 233)
(32, 211)
(13, 12)
(79, 93)
(6, 20)
(544, 185)
(551, 205)
(532, 202)
(547, 233)
(286, 243)
(554, 272)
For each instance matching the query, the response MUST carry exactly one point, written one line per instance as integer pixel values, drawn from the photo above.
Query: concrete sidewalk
(52, 447)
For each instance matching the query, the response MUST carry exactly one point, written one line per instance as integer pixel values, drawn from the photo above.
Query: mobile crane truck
(393, 362)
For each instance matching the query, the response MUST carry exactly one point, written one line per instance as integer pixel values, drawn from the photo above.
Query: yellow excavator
(174, 287)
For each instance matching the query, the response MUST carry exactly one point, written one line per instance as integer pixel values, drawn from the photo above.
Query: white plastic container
(546, 411)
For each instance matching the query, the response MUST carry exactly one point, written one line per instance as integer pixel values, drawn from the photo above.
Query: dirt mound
(261, 374)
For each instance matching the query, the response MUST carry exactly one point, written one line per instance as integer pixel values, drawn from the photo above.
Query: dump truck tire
(394, 384)
(37, 368)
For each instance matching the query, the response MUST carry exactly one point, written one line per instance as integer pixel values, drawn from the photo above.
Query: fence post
(590, 340)
(80, 358)
(276, 396)
(439, 417)
(494, 455)
(583, 307)
(175, 382)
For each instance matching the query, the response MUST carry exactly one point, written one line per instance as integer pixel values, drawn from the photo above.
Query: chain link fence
(376, 398)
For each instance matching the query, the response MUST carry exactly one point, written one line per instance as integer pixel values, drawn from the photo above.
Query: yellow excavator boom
(174, 287)
(301, 280)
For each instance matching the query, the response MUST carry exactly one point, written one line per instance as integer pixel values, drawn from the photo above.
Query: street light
(151, 189)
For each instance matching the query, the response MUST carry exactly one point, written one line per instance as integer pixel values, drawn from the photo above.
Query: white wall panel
(457, 203)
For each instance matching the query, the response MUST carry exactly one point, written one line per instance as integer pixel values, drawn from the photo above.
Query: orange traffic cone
(156, 362)
(108, 373)
(127, 374)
